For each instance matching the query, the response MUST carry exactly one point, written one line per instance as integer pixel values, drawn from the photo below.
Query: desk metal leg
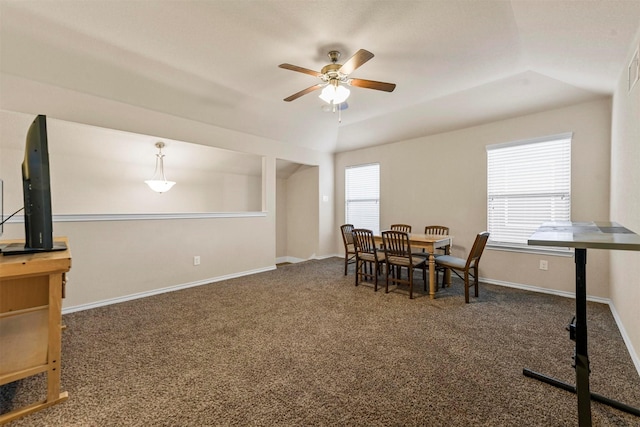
(581, 357)
(568, 387)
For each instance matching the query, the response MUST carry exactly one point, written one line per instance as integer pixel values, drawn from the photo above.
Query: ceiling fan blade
(300, 69)
(359, 58)
(304, 92)
(372, 84)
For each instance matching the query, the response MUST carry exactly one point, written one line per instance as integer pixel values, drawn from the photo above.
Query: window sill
(540, 250)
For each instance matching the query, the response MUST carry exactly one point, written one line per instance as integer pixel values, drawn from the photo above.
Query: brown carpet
(301, 345)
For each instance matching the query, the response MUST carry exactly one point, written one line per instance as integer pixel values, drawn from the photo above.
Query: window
(528, 183)
(362, 196)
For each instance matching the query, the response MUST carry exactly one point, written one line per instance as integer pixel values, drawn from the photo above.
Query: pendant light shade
(159, 182)
(334, 93)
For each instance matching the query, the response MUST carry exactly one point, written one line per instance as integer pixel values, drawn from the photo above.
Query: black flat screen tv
(36, 190)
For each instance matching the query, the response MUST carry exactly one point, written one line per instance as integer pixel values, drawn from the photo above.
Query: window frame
(348, 201)
(523, 247)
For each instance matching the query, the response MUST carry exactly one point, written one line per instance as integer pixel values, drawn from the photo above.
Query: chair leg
(475, 280)
(410, 274)
(424, 278)
(466, 286)
(389, 270)
(437, 274)
(346, 262)
(358, 262)
(375, 279)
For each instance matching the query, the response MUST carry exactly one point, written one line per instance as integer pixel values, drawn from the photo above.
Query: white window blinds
(362, 196)
(529, 182)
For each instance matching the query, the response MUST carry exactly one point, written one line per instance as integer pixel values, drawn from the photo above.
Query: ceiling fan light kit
(334, 93)
(335, 76)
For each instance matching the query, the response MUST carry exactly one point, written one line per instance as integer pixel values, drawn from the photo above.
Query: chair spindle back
(401, 227)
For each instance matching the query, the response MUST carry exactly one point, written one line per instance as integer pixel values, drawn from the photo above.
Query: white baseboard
(542, 290)
(162, 290)
(625, 337)
(289, 259)
(293, 260)
(138, 295)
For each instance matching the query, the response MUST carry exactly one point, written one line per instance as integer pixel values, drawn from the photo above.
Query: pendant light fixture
(159, 182)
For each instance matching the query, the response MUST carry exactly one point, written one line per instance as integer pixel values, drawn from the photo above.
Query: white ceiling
(456, 63)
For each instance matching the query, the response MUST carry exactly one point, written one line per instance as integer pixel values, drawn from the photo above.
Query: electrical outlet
(544, 265)
(196, 260)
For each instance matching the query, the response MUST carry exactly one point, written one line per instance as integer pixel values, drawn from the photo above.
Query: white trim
(542, 290)
(625, 337)
(288, 259)
(294, 260)
(564, 135)
(326, 256)
(634, 69)
(138, 295)
(144, 216)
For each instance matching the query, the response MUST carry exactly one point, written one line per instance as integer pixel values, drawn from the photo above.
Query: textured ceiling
(455, 63)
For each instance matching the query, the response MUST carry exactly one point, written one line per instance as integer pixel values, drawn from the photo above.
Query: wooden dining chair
(401, 227)
(349, 248)
(397, 253)
(437, 230)
(367, 255)
(469, 266)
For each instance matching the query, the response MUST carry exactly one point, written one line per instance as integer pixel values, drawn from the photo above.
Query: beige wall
(281, 218)
(625, 202)
(441, 179)
(297, 206)
(302, 209)
(114, 259)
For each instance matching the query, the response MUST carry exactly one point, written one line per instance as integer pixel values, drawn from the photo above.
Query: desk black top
(597, 235)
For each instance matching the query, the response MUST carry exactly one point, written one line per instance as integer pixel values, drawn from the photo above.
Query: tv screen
(36, 189)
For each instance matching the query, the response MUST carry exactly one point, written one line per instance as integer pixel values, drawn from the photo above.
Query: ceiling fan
(334, 76)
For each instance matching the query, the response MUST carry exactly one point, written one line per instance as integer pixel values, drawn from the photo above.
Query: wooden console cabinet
(31, 292)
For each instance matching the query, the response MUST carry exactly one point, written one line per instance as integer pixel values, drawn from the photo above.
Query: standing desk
(31, 292)
(583, 235)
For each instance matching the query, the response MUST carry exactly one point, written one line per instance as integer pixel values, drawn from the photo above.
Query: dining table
(429, 242)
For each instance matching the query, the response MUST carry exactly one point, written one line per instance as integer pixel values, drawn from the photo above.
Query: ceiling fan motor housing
(332, 72)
